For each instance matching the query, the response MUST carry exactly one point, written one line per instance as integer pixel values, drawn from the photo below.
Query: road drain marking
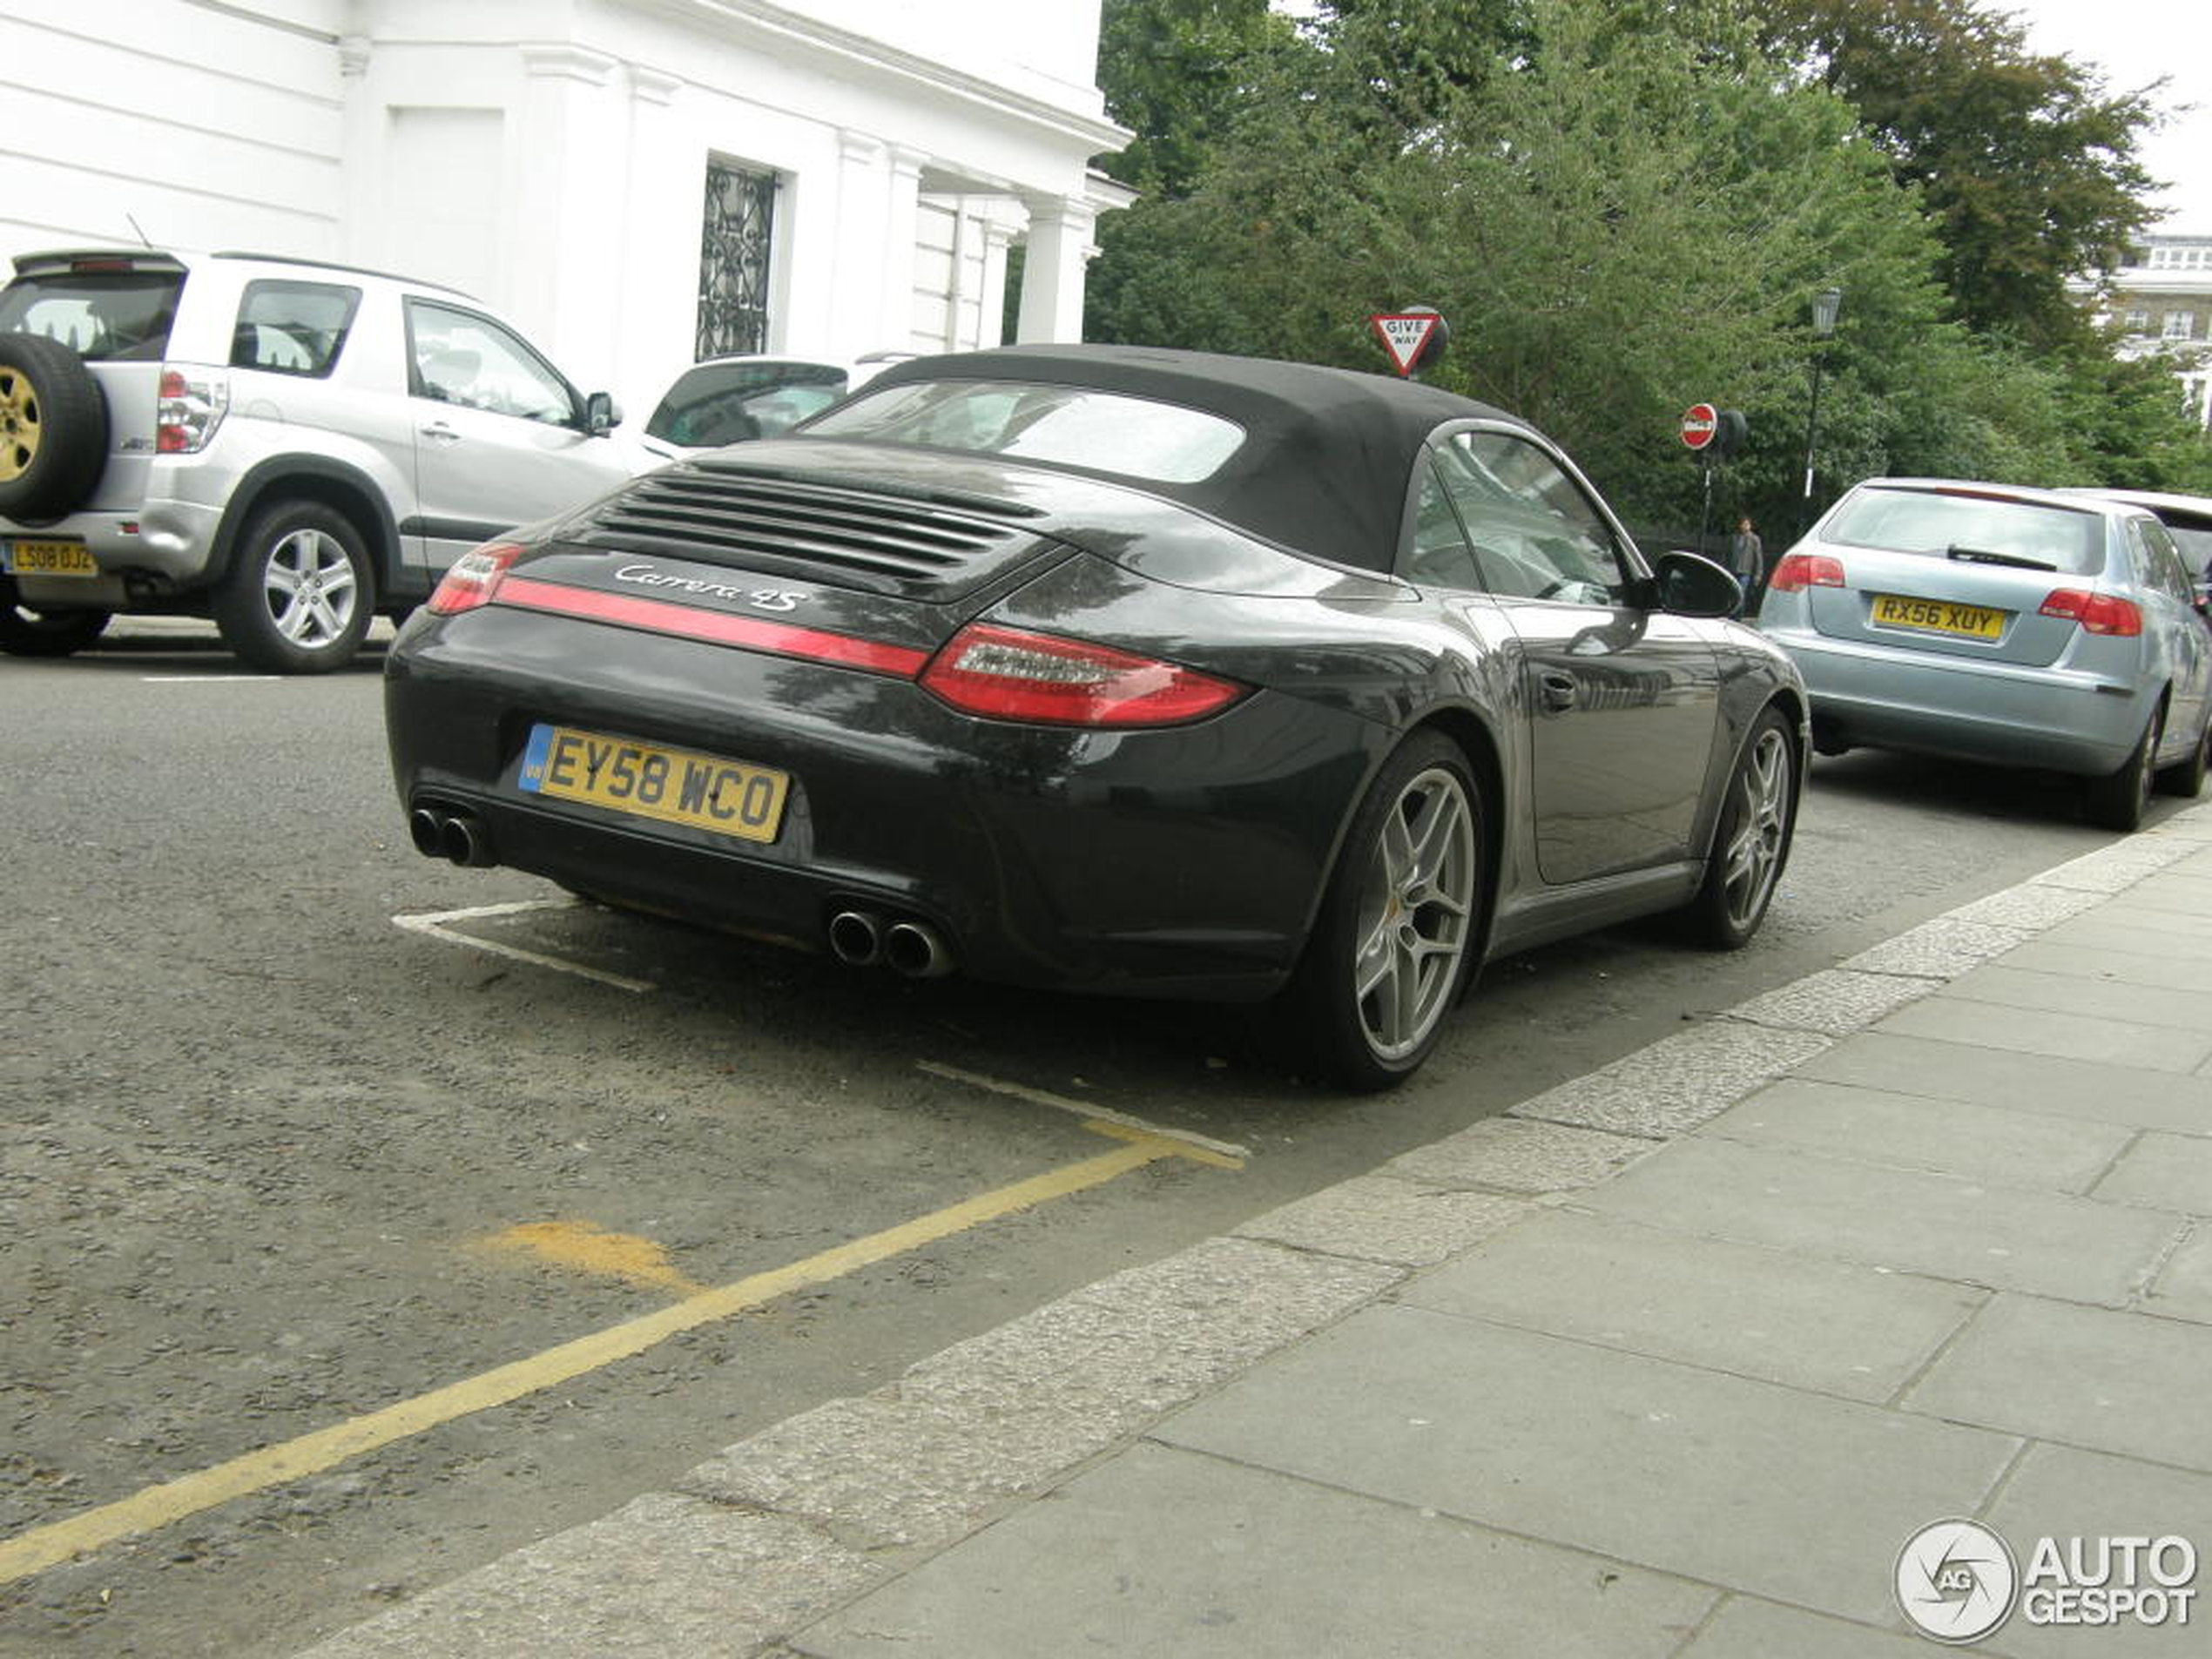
(44, 1547)
(432, 924)
(1226, 1153)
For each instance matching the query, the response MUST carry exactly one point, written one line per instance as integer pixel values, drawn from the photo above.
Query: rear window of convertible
(1074, 425)
(1939, 522)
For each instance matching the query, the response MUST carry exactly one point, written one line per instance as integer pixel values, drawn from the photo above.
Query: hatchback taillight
(191, 404)
(1798, 571)
(473, 578)
(2098, 613)
(1011, 674)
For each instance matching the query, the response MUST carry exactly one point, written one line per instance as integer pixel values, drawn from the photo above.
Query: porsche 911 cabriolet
(1117, 671)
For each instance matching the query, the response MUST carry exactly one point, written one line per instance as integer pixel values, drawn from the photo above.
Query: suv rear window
(103, 316)
(1935, 522)
(292, 327)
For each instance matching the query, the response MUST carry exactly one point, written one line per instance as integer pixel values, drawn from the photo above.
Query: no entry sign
(1700, 423)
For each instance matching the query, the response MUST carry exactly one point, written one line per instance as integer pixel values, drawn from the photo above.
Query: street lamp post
(1825, 305)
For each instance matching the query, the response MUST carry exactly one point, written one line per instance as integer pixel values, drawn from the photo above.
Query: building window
(2180, 324)
(2139, 322)
(734, 248)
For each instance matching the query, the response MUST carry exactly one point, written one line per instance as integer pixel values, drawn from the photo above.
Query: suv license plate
(52, 558)
(700, 792)
(1939, 616)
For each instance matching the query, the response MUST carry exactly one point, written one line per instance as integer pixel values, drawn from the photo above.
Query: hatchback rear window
(1072, 426)
(1939, 523)
(718, 403)
(103, 316)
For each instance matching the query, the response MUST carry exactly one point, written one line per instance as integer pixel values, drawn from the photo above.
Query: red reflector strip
(714, 627)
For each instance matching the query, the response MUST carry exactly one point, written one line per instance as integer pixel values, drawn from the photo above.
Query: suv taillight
(192, 404)
(1798, 571)
(2098, 613)
(473, 578)
(1011, 674)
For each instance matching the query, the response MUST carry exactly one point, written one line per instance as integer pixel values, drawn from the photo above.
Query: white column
(656, 316)
(862, 193)
(902, 229)
(361, 229)
(560, 283)
(1052, 271)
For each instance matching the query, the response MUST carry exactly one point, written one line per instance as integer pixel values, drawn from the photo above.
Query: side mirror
(602, 414)
(1689, 585)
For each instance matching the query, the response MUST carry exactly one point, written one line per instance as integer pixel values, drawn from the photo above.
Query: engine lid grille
(843, 531)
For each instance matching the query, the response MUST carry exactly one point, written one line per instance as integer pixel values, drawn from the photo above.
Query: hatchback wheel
(2185, 779)
(298, 596)
(1397, 926)
(2118, 802)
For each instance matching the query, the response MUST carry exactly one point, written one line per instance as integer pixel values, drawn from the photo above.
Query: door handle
(1558, 690)
(439, 432)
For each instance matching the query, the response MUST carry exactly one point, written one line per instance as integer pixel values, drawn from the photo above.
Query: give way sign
(1404, 334)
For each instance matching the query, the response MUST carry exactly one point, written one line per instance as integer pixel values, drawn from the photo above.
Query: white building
(2161, 298)
(637, 182)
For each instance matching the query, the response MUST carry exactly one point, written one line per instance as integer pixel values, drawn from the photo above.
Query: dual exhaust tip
(442, 833)
(862, 939)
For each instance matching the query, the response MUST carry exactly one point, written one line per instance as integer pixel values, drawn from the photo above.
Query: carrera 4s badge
(644, 576)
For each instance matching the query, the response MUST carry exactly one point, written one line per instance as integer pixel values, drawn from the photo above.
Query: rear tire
(1399, 922)
(2118, 802)
(299, 594)
(28, 632)
(2186, 778)
(53, 427)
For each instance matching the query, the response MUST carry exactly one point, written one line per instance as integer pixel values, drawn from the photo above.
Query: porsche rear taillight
(473, 578)
(1798, 571)
(1011, 674)
(190, 404)
(2098, 613)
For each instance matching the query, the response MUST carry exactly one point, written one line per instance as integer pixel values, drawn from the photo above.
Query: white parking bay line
(1082, 1108)
(206, 679)
(432, 924)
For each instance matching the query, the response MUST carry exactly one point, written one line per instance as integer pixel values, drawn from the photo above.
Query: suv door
(499, 434)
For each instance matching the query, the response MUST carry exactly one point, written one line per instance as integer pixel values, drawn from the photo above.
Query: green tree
(2028, 163)
(1170, 70)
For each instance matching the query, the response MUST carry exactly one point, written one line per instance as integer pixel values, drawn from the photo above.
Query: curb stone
(775, 1532)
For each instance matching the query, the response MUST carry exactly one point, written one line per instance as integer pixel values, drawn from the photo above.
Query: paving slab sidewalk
(1670, 1360)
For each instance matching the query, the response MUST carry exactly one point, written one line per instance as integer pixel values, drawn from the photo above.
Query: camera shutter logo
(1956, 1580)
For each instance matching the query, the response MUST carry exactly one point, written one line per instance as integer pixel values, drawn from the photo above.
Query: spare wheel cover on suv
(53, 427)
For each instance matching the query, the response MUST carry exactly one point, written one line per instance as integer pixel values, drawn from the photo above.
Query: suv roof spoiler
(97, 258)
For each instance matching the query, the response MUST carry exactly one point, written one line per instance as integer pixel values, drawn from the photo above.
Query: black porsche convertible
(1123, 670)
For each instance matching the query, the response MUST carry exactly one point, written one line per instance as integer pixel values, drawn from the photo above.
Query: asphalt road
(270, 1163)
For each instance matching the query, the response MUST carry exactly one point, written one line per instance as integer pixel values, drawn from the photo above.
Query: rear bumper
(1184, 862)
(165, 539)
(2057, 719)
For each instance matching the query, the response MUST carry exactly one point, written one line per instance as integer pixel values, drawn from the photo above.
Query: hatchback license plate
(50, 557)
(1939, 616)
(701, 792)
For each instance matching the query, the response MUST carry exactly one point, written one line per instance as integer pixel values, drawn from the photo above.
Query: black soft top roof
(1328, 453)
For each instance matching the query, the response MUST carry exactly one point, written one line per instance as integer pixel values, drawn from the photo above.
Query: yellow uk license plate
(702, 792)
(52, 557)
(1939, 616)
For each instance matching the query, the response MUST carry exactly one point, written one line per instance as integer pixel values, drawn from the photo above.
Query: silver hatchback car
(1990, 623)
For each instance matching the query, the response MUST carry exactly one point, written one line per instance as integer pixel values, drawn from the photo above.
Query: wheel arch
(344, 489)
(1474, 737)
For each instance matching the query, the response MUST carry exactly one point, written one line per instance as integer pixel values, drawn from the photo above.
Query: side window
(2157, 567)
(1439, 557)
(1535, 533)
(2173, 571)
(459, 357)
(292, 327)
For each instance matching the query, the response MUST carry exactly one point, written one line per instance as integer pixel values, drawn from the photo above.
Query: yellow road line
(44, 1547)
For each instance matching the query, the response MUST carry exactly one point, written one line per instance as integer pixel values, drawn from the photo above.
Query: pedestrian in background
(1747, 560)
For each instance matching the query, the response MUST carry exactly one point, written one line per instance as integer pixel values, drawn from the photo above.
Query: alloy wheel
(1759, 819)
(1415, 912)
(308, 586)
(21, 426)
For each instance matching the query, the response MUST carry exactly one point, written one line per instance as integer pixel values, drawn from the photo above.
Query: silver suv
(288, 447)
